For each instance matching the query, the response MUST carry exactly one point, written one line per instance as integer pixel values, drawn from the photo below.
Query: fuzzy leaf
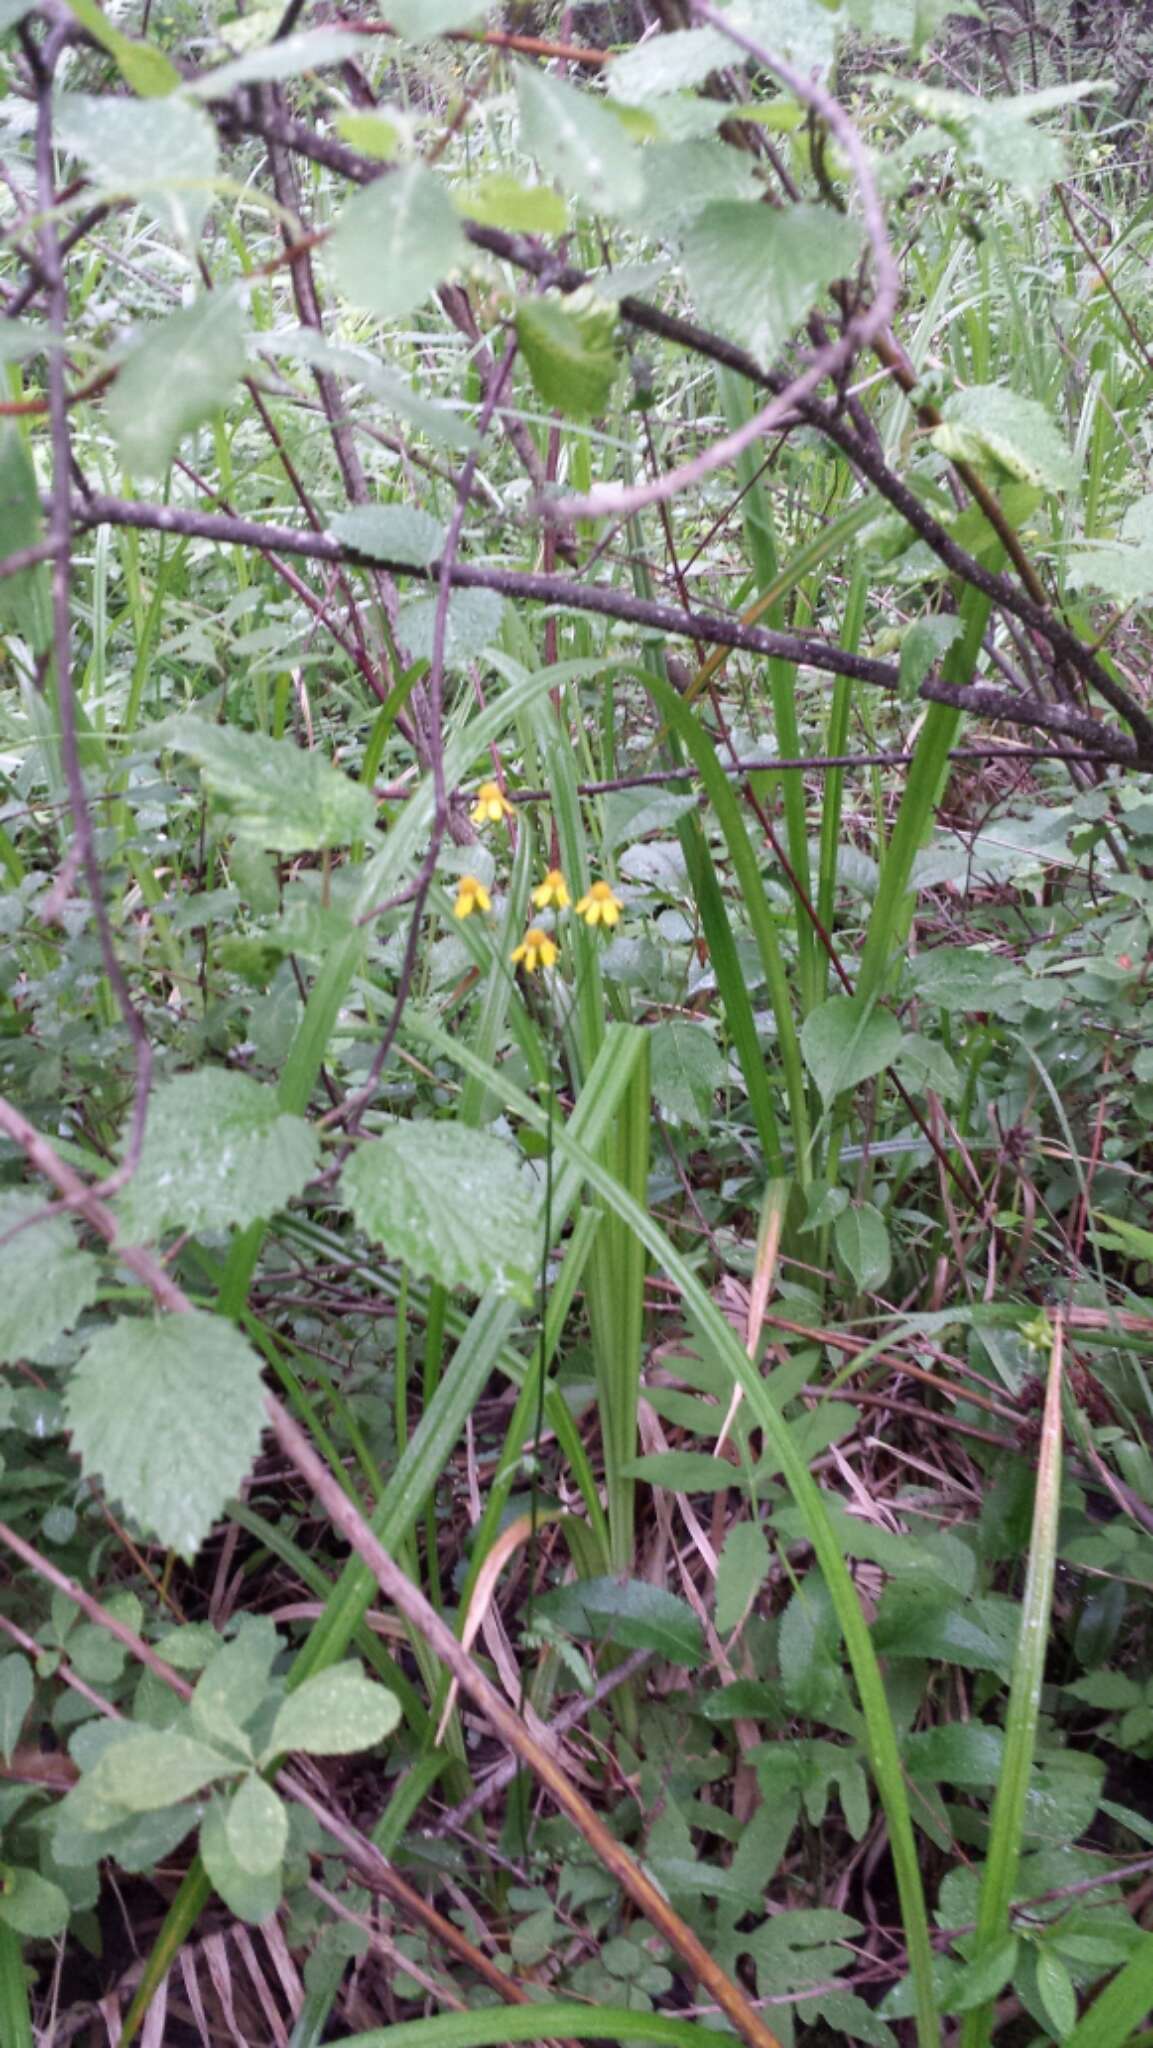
(570, 353)
(757, 273)
(257, 1827)
(16, 1687)
(395, 241)
(288, 57)
(46, 1281)
(579, 142)
(163, 150)
(181, 371)
(168, 1413)
(218, 1150)
(474, 620)
(390, 533)
(687, 1069)
(333, 1714)
(989, 421)
(285, 798)
(251, 1897)
(153, 1767)
(451, 1202)
(669, 63)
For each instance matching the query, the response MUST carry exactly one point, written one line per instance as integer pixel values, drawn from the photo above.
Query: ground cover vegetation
(576, 808)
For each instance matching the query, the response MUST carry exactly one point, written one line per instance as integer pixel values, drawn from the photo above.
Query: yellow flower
(600, 906)
(536, 949)
(554, 889)
(470, 895)
(491, 805)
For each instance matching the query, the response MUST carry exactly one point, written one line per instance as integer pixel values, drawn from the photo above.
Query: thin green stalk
(492, 2027)
(15, 2012)
(1008, 1822)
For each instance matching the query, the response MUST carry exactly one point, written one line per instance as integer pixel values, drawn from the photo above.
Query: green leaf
(451, 1202)
(473, 623)
(862, 1241)
(371, 135)
(163, 150)
(921, 1063)
(579, 142)
(390, 533)
(46, 1281)
(254, 1898)
(419, 20)
(12, 11)
(503, 202)
(141, 65)
(153, 1768)
(988, 421)
(997, 136)
(923, 645)
(1057, 1993)
(169, 1414)
(742, 1569)
(682, 1471)
(25, 605)
(669, 63)
(570, 351)
(282, 797)
(177, 376)
(30, 1904)
(395, 241)
(688, 1068)
(217, 1151)
(236, 1680)
(844, 1041)
(630, 1612)
(379, 380)
(757, 273)
(809, 1646)
(16, 1688)
(257, 1827)
(799, 29)
(333, 1714)
(955, 1753)
(289, 57)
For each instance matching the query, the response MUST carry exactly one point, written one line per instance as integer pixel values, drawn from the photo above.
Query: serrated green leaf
(25, 605)
(162, 150)
(217, 1150)
(153, 1768)
(921, 1063)
(390, 533)
(395, 241)
(168, 1414)
(742, 1569)
(923, 645)
(254, 1898)
(473, 623)
(757, 273)
(281, 797)
(688, 1068)
(998, 136)
(257, 1827)
(844, 1042)
(334, 1714)
(46, 1281)
(630, 1612)
(862, 1241)
(16, 1689)
(579, 142)
(289, 57)
(798, 29)
(669, 63)
(503, 202)
(989, 421)
(31, 1904)
(451, 1202)
(180, 372)
(418, 21)
(571, 359)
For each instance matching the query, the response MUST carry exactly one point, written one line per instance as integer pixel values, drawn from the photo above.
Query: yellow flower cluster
(599, 906)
